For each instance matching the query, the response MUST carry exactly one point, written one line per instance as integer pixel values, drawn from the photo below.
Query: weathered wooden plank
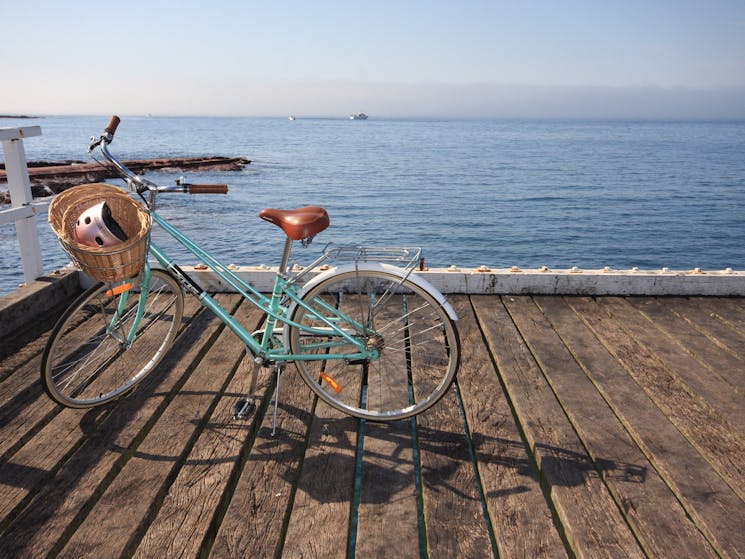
(721, 333)
(192, 502)
(593, 525)
(30, 343)
(51, 515)
(114, 524)
(703, 493)
(711, 387)
(454, 517)
(319, 520)
(711, 436)
(253, 523)
(22, 354)
(652, 509)
(694, 342)
(521, 519)
(729, 310)
(24, 407)
(37, 460)
(387, 511)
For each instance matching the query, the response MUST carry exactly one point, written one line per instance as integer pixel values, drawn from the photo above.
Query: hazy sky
(460, 58)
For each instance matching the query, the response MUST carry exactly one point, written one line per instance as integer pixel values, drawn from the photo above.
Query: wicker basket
(104, 264)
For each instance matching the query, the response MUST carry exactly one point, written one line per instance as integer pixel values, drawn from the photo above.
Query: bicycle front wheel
(92, 355)
(417, 344)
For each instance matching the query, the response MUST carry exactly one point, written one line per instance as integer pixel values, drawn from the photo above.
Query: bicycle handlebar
(112, 126)
(141, 184)
(208, 188)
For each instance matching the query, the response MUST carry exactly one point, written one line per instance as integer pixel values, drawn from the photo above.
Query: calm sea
(493, 192)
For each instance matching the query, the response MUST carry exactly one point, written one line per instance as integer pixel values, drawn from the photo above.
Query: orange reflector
(331, 382)
(119, 289)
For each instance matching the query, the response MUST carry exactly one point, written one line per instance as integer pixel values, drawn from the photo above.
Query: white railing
(23, 209)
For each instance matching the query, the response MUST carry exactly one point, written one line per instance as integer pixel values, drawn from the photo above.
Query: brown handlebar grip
(112, 125)
(208, 189)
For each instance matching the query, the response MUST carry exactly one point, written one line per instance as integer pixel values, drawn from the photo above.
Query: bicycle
(371, 339)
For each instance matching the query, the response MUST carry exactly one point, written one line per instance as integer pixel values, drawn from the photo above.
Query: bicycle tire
(85, 364)
(418, 344)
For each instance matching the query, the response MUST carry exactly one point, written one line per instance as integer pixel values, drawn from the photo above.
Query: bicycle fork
(116, 328)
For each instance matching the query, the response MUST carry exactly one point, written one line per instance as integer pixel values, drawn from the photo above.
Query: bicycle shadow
(390, 457)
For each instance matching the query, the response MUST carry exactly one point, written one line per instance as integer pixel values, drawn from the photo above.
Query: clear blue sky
(529, 58)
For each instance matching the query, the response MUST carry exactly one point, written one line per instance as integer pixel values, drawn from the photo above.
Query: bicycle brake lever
(94, 143)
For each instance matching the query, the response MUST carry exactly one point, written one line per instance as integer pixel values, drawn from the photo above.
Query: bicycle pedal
(243, 408)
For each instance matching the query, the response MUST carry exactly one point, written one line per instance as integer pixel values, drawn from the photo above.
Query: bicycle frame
(285, 289)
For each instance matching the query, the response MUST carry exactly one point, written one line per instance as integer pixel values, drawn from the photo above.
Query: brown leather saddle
(300, 223)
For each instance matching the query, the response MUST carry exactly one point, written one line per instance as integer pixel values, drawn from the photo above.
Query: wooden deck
(588, 427)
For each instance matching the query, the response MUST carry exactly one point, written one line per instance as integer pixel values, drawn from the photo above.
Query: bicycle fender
(375, 266)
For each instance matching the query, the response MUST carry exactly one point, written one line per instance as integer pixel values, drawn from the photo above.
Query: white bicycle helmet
(97, 228)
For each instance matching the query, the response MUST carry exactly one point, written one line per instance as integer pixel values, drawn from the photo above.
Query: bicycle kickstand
(244, 407)
(278, 370)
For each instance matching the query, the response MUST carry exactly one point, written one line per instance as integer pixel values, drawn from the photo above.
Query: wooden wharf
(578, 427)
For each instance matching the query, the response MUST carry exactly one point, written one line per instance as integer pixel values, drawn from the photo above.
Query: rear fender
(378, 267)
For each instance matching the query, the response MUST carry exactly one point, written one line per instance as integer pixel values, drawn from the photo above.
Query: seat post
(285, 263)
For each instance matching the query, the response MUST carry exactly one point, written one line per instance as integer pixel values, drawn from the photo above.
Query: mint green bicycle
(368, 336)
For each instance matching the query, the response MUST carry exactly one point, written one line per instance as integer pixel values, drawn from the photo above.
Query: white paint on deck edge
(537, 281)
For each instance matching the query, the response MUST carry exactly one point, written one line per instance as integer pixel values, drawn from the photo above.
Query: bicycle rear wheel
(88, 361)
(418, 345)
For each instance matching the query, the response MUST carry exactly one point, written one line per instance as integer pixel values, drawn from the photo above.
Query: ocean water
(494, 192)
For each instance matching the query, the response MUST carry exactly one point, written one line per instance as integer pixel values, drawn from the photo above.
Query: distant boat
(358, 116)
(291, 117)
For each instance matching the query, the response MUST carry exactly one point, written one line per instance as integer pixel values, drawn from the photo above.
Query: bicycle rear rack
(407, 258)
